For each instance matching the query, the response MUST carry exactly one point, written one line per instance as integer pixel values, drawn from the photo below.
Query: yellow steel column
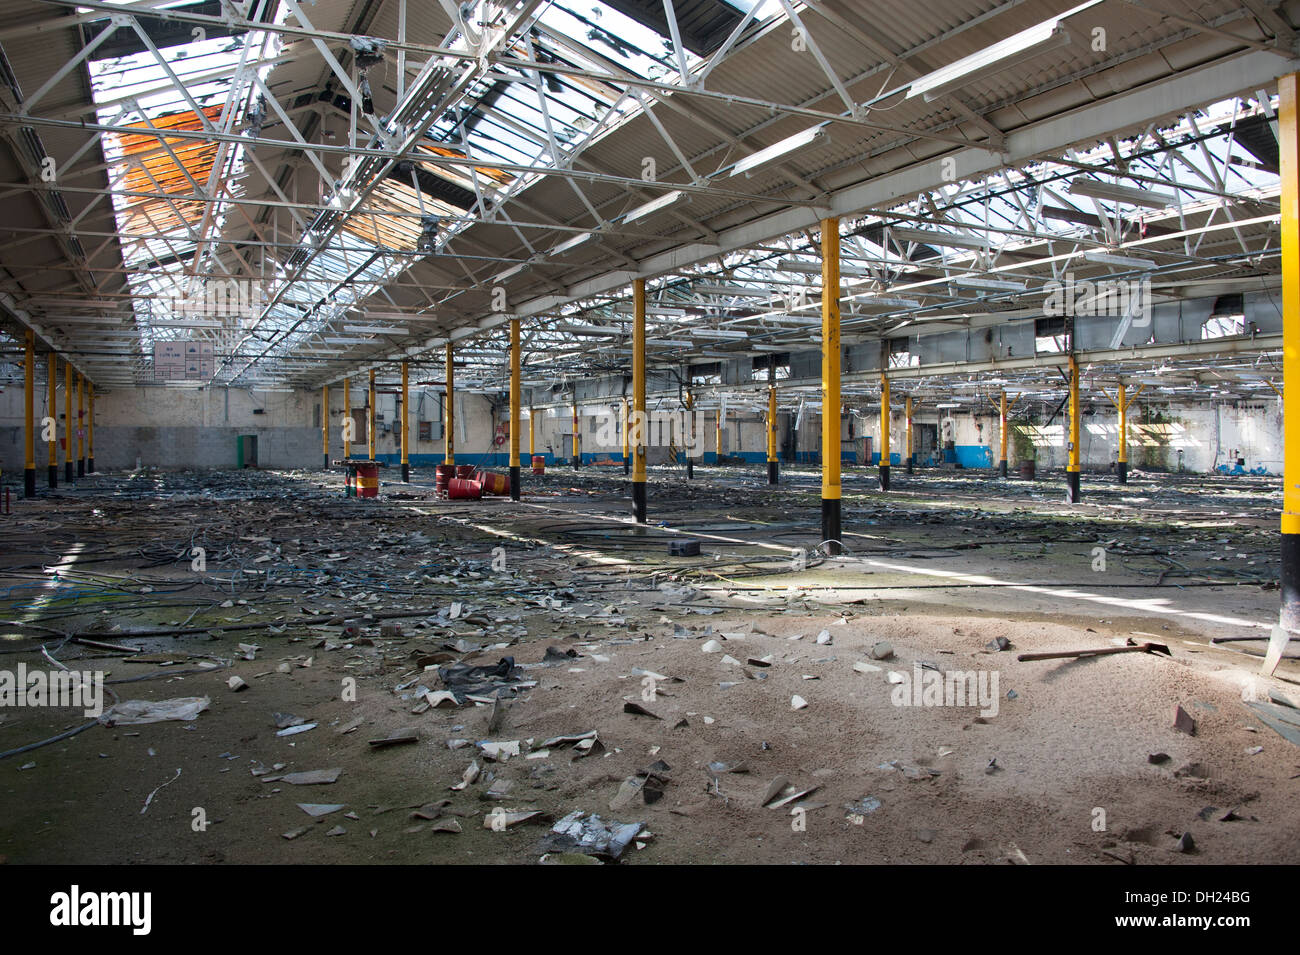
(81, 425)
(638, 400)
(69, 429)
(831, 385)
(370, 419)
(90, 431)
(449, 439)
(349, 426)
(532, 435)
(1121, 405)
(885, 427)
(717, 440)
(771, 429)
(1072, 469)
(53, 415)
(1002, 432)
(1289, 134)
(29, 405)
(325, 423)
(907, 413)
(627, 460)
(577, 453)
(404, 417)
(696, 444)
(516, 411)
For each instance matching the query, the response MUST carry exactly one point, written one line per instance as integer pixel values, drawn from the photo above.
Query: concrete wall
(178, 428)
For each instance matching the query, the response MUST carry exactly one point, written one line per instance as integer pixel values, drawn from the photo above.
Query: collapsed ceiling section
(307, 191)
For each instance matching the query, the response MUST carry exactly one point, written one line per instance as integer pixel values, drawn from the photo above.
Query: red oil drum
(460, 489)
(493, 483)
(443, 473)
(465, 472)
(367, 480)
(539, 464)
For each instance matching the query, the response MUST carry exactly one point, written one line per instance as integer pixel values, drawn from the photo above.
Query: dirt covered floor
(759, 702)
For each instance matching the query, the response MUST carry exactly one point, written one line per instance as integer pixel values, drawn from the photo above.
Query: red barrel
(367, 479)
(493, 483)
(465, 472)
(442, 474)
(460, 489)
(539, 464)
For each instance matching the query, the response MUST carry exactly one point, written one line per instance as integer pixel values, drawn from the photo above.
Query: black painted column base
(90, 465)
(81, 467)
(772, 471)
(406, 472)
(831, 526)
(908, 469)
(327, 462)
(884, 477)
(1072, 495)
(638, 501)
(1121, 470)
(54, 475)
(29, 482)
(1289, 619)
(690, 469)
(67, 472)
(514, 482)
(1002, 467)
(627, 465)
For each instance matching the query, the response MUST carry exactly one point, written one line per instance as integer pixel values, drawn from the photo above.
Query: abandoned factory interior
(650, 432)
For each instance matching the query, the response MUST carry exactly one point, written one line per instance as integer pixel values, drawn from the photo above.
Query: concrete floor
(939, 567)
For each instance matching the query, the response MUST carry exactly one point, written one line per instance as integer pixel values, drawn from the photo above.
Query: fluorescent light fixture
(572, 329)
(771, 348)
(669, 343)
(938, 238)
(948, 404)
(890, 301)
(573, 243)
(1094, 189)
(346, 341)
(1040, 38)
(375, 329)
(513, 270)
(653, 206)
(1124, 261)
(727, 333)
(996, 285)
(812, 268)
(732, 290)
(814, 135)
